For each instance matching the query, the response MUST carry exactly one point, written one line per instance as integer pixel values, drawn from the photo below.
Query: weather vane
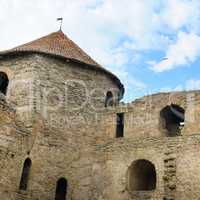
(61, 21)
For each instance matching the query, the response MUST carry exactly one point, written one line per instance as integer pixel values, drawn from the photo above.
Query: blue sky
(152, 45)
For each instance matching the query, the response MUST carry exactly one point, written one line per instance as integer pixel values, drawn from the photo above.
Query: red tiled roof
(58, 44)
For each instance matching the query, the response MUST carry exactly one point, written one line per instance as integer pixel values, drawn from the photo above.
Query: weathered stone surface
(55, 114)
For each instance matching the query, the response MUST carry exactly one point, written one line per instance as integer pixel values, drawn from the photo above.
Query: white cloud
(95, 25)
(179, 13)
(110, 29)
(193, 84)
(185, 51)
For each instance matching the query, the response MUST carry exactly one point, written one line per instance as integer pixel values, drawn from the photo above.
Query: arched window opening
(3, 82)
(142, 176)
(172, 119)
(25, 174)
(61, 189)
(109, 99)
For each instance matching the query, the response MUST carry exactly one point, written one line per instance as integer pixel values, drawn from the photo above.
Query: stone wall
(46, 93)
(12, 139)
(62, 125)
(176, 158)
(176, 161)
(142, 117)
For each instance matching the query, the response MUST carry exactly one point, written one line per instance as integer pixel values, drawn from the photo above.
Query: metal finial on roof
(61, 21)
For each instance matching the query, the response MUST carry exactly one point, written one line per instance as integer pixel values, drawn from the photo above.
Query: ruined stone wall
(80, 144)
(142, 117)
(176, 159)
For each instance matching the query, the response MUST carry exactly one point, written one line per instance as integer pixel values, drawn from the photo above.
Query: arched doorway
(141, 176)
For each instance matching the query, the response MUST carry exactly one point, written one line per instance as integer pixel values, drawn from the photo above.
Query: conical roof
(58, 44)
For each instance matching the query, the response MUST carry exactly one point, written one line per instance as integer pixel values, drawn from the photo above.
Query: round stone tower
(61, 97)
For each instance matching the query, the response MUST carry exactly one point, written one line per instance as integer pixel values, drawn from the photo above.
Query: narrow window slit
(120, 125)
(25, 174)
(3, 82)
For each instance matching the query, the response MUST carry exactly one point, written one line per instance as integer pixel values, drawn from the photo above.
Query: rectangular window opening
(120, 125)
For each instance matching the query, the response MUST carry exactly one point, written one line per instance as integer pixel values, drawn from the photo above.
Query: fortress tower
(66, 136)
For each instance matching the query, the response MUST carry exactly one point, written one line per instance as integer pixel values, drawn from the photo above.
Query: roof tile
(57, 43)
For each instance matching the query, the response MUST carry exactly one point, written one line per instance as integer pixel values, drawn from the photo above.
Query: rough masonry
(65, 134)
